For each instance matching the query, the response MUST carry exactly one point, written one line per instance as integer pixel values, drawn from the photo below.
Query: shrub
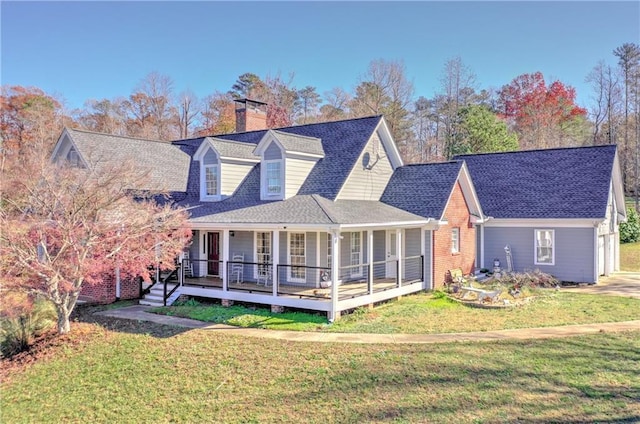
(630, 230)
(19, 328)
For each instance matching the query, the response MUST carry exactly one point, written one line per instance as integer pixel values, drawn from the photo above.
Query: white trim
(290, 276)
(354, 271)
(264, 189)
(543, 222)
(535, 247)
(59, 154)
(255, 249)
(455, 247)
(312, 227)
(481, 246)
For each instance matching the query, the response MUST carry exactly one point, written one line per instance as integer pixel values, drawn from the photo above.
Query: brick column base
(226, 303)
(277, 309)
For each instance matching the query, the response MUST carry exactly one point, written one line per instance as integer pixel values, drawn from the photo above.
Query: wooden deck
(347, 290)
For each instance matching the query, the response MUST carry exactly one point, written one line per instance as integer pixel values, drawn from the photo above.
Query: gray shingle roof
(299, 143)
(168, 166)
(313, 209)
(233, 149)
(551, 183)
(422, 189)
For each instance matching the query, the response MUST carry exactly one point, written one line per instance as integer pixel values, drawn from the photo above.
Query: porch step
(155, 297)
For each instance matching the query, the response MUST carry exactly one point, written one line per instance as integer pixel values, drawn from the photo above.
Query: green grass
(630, 257)
(425, 313)
(211, 376)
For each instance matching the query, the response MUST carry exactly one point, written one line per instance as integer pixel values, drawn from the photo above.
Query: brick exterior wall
(105, 291)
(457, 215)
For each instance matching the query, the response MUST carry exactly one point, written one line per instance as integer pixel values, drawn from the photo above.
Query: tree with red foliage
(542, 116)
(62, 228)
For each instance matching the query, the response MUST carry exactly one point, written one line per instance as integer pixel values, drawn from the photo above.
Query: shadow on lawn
(87, 314)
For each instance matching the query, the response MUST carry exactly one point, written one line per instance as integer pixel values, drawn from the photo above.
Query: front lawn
(427, 313)
(102, 375)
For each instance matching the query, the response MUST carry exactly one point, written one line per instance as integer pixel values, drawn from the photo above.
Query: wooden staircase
(155, 295)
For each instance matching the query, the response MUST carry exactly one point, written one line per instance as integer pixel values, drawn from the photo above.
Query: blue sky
(95, 50)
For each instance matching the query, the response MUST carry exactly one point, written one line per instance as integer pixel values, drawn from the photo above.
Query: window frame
(455, 240)
(216, 174)
(299, 274)
(204, 194)
(536, 257)
(266, 178)
(267, 244)
(355, 272)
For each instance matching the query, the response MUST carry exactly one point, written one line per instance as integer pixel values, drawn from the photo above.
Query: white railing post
(335, 270)
(370, 259)
(225, 259)
(275, 261)
(400, 254)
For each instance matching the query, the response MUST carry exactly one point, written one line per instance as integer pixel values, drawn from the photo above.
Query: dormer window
(273, 177)
(210, 176)
(211, 179)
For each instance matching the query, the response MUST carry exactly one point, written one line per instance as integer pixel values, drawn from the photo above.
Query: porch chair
(188, 265)
(237, 269)
(264, 274)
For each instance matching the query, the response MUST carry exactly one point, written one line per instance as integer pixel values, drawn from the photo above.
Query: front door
(213, 254)
(392, 254)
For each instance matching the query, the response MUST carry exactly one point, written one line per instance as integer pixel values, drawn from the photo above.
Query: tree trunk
(64, 325)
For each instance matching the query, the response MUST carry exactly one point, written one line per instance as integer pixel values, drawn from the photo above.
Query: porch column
(225, 259)
(335, 269)
(370, 259)
(481, 245)
(275, 261)
(400, 253)
(422, 253)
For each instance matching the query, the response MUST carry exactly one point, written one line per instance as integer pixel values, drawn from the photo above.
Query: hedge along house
(557, 210)
(294, 217)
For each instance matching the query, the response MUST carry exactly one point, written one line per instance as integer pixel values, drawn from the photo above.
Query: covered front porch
(328, 270)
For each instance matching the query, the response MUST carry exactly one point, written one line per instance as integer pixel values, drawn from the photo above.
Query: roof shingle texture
(168, 166)
(552, 183)
(299, 143)
(233, 149)
(422, 189)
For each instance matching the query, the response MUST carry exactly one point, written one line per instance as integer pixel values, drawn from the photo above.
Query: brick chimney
(251, 115)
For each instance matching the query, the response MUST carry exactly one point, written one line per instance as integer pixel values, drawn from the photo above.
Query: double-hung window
(455, 240)
(211, 180)
(545, 247)
(273, 178)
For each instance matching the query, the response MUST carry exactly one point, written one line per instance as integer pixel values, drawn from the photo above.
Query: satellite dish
(366, 161)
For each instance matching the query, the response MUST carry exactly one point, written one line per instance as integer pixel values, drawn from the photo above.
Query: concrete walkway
(619, 284)
(139, 313)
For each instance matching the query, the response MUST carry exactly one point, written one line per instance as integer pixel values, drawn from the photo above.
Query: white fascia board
(65, 135)
(389, 143)
(239, 161)
(387, 225)
(206, 143)
(469, 191)
(543, 222)
(261, 227)
(264, 142)
(290, 154)
(618, 188)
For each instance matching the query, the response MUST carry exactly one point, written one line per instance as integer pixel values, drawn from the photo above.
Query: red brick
(457, 215)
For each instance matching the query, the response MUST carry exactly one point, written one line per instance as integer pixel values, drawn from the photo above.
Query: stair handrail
(166, 295)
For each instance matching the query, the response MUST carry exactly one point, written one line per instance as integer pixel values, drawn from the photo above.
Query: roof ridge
(296, 135)
(299, 126)
(599, 146)
(329, 215)
(117, 136)
(239, 143)
(448, 162)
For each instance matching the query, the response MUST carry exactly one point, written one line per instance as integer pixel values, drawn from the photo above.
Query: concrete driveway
(619, 284)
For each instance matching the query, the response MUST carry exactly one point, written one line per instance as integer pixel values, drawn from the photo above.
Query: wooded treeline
(529, 112)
